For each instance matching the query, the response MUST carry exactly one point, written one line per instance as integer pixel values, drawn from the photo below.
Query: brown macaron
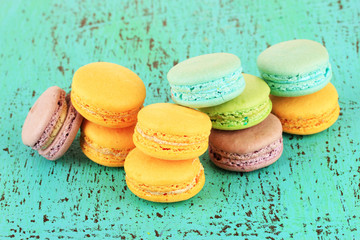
(248, 149)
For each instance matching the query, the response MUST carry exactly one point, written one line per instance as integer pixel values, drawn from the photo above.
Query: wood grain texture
(312, 192)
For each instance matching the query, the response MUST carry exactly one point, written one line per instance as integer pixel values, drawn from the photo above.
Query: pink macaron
(249, 149)
(51, 124)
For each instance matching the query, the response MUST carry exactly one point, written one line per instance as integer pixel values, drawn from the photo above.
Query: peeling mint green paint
(312, 192)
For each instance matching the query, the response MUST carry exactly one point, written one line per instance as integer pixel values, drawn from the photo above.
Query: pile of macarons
(245, 136)
(109, 97)
(165, 165)
(299, 73)
(217, 108)
(105, 99)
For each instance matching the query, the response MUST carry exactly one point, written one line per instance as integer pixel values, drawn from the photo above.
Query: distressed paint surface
(312, 192)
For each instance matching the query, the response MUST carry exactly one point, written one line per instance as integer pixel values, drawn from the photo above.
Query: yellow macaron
(107, 94)
(106, 146)
(172, 132)
(307, 114)
(160, 180)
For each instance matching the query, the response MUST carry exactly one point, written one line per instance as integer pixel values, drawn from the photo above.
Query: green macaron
(251, 107)
(295, 68)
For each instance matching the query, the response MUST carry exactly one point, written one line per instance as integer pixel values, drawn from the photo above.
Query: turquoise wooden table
(311, 192)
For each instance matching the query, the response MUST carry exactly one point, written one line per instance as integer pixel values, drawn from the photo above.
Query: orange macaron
(172, 132)
(106, 146)
(160, 180)
(107, 94)
(307, 114)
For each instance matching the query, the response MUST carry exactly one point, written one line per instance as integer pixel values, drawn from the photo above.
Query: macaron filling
(169, 139)
(175, 189)
(233, 82)
(243, 117)
(115, 152)
(286, 83)
(54, 126)
(62, 136)
(125, 116)
(264, 154)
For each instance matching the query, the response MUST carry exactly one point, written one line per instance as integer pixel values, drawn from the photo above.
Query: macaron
(106, 146)
(172, 132)
(107, 94)
(251, 107)
(51, 124)
(248, 149)
(160, 180)
(308, 114)
(295, 68)
(206, 80)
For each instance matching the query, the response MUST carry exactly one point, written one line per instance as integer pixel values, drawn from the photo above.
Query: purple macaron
(249, 149)
(51, 124)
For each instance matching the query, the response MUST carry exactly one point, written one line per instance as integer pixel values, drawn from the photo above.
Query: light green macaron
(295, 68)
(251, 107)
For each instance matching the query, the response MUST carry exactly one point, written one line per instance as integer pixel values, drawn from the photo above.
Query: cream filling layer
(159, 141)
(105, 151)
(59, 123)
(104, 113)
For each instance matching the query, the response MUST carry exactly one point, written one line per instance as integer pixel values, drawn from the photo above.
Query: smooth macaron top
(109, 87)
(293, 57)
(156, 172)
(174, 119)
(203, 68)
(43, 113)
(308, 106)
(256, 92)
(247, 140)
(108, 137)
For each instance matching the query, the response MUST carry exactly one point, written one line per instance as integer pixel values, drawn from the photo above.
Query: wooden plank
(312, 192)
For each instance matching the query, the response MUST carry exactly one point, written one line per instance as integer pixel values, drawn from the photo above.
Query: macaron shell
(146, 174)
(206, 80)
(108, 94)
(293, 57)
(171, 197)
(242, 119)
(45, 111)
(255, 93)
(106, 146)
(248, 109)
(103, 84)
(250, 139)
(203, 68)
(174, 119)
(216, 99)
(250, 165)
(172, 132)
(307, 114)
(108, 137)
(66, 135)
(249, 149)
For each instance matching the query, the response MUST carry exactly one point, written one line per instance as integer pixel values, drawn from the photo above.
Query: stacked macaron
(165, 165)
(299, 73)
(104, 102)
(109, 97)
(244, 136)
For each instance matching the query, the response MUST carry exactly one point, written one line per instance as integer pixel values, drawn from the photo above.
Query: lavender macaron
(249, 149)
(51, 124)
